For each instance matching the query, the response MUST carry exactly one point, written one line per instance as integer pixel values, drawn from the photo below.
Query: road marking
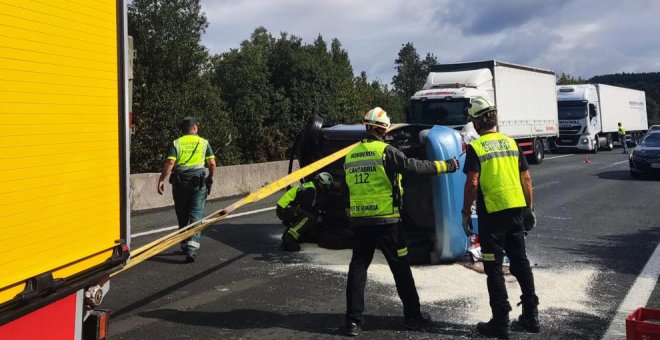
(637, 297)
(555, 157)
(155, 231)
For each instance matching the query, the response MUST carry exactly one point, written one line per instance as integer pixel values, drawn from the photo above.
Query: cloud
(582, 37)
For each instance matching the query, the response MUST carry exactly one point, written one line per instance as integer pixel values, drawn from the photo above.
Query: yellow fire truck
(64, 210)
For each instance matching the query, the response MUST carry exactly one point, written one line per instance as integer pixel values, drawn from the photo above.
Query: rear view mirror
(592, 111)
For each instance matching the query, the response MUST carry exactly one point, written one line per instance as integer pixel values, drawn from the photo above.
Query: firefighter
(299, 209)
(190, 183)
(498, 177)
(372, 171)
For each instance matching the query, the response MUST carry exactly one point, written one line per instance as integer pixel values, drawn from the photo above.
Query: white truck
(589, 115)
(524, 96)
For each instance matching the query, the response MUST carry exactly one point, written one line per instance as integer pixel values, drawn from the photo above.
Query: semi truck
(524, 96)
(64, 191)
(589, 115)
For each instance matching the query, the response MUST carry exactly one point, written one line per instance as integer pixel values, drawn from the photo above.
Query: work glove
(452, 165)
(529, 219)
(209, 183)
(467, 223)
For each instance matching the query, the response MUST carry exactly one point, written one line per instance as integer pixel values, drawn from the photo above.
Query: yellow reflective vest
(499, 178)
(370, 189)
(290, 195)
(190, 153)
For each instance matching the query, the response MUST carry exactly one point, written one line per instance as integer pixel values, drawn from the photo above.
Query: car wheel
(310, 136)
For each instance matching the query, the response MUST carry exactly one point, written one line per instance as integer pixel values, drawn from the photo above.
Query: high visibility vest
(500, 175)
(291, 194)
(190, 152)
(370, 190)
(622, 131)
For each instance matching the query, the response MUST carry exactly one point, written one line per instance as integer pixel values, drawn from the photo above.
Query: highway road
(592, 252)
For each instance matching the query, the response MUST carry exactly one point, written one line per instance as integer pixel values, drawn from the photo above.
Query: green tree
(171, 81)
(567, 79)
(411, 70)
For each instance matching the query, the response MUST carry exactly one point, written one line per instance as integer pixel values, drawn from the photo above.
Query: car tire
(310, 137)
(610, 143)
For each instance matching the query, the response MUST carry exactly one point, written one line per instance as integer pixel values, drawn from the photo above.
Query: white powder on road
(558, 289)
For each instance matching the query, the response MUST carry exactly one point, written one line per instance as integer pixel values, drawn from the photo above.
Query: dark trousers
(189, 201)
(390, 238)
(299, 222)
(498, 233)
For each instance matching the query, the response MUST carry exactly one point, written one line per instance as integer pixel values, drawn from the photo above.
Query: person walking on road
(186, 158)
(498, 177)
(299, 209)
(372, 171)
(622, 138)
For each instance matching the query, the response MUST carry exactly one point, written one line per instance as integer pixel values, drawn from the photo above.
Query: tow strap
(155, 247)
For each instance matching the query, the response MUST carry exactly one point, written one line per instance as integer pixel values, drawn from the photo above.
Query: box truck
(524, 96)
(589, 115)
(64, 192)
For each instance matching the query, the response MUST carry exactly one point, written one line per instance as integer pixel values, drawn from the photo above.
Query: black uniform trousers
(390, 238)
(498, 233)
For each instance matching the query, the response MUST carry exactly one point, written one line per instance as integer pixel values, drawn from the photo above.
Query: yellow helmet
(478, 106)
(377, 117)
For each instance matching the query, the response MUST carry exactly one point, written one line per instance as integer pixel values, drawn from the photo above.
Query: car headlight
(585, 140)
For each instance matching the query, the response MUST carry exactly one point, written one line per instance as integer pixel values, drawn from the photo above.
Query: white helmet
(377, 117)
(324, 179)
(479, 106)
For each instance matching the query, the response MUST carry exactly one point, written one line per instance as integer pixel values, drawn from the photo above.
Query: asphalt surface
(597, 229)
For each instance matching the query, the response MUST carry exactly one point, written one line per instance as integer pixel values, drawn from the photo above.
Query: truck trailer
(64, 191)
(524, 96)
(589, 115)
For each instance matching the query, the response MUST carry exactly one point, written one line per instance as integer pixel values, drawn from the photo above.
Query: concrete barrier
(228, 181)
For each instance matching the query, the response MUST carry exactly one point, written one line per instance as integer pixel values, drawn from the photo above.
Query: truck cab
(579, 118)
(444, 98)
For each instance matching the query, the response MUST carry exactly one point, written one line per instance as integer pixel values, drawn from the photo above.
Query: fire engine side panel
(62, 116)
(58, 320)
(526, 102)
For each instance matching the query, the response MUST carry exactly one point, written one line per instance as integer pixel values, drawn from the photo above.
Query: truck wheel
(596, 145)
(610, 143)
(538, 155)
(310, 137)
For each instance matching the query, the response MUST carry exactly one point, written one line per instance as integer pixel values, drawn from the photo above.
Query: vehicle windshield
(572, 111)
(652, 140)
(654, 127)
(438, 112)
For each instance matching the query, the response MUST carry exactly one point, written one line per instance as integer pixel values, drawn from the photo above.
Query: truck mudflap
(451, 243)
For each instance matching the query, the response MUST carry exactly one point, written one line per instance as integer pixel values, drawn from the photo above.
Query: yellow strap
(155, 247)
(402, 252)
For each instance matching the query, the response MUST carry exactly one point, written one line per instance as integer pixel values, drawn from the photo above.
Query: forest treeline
(251, 101)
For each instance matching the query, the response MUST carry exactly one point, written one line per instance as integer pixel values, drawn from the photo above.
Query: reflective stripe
(291, 194)
(441, 167)
(508, 153)
(488, 257)
(402, 252)
(366, 162)
(294, 231)
(193, 244)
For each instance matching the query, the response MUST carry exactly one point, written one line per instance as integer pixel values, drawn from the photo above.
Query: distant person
(622, 138)
(498, 178)
(186, 158)
(299, 209)
(372, 172)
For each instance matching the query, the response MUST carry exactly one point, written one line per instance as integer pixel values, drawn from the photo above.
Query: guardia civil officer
(498, 177)
(300, 207)
(186, 158)
(372, 171)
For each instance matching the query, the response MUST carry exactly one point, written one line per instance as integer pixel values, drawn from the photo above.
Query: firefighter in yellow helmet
(498, 178)
(300, 207)
(372, 172)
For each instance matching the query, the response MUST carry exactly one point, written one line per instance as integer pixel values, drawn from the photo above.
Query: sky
(581, 37)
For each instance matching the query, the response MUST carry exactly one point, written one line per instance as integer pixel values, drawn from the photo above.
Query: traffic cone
(586, 159)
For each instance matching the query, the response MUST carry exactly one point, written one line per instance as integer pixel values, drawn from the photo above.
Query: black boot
(289, 243)
(496, 327)
(528, 321)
